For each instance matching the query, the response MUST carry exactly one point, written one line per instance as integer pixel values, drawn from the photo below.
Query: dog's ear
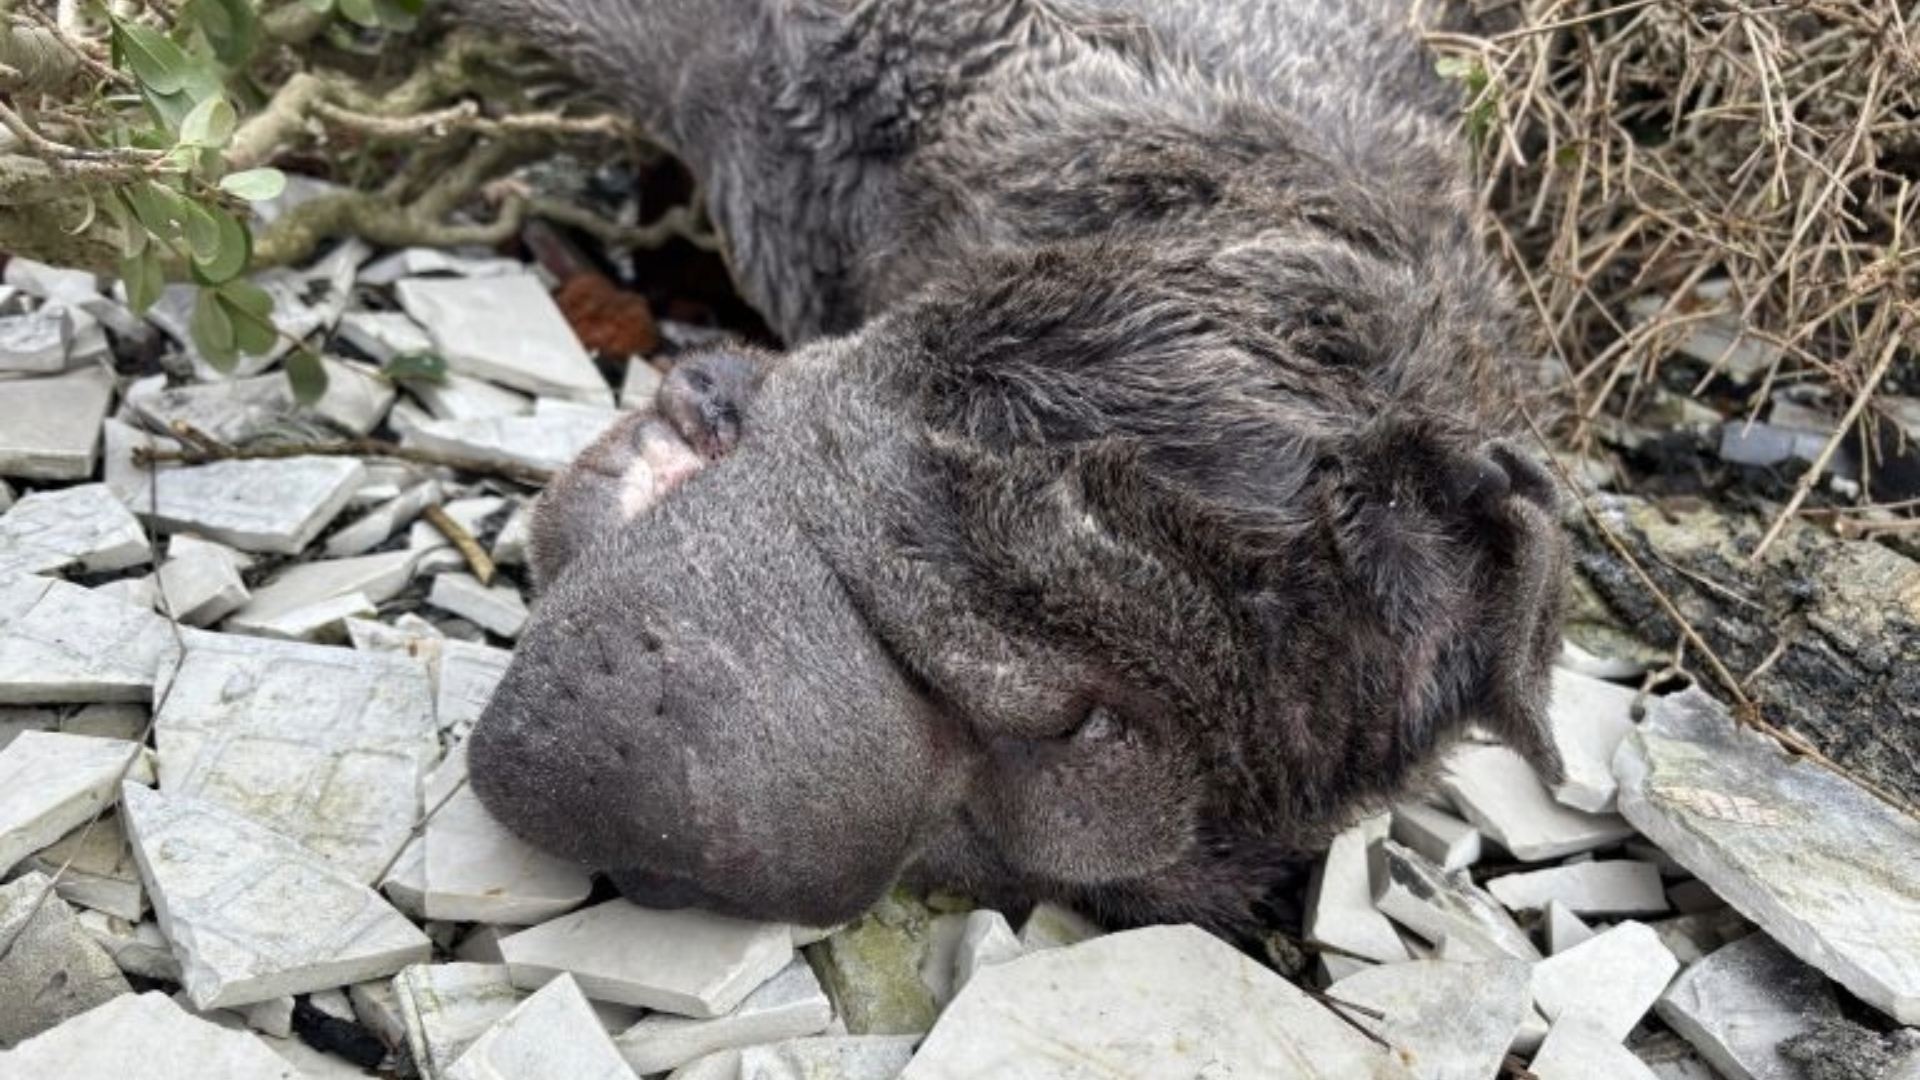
(620, 476)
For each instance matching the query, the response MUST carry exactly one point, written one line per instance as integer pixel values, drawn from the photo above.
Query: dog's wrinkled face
(1115, 576)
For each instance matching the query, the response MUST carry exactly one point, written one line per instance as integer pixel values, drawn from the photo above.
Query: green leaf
(255, 185)
(211, 123)
(169, 111)
(133, 235)
(159, 64)
(203, 234)
(222, 259)
(160, 208)
(213, 331)
(252, 312)
(230, 26)
(423, 366)
(394, 15)
(306, 376)
(320, 6)
(360, 12)
(143, 279)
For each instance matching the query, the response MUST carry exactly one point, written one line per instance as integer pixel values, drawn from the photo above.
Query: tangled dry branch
(1638, 151)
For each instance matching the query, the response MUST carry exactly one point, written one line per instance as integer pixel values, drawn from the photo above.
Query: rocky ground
(238, 842)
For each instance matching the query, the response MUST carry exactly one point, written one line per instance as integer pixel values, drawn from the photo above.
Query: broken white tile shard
(1442, 907)
(416, 261)
(1738, 1005)
(1611, 888)
(81, 528)
(311, 598)
(1450, 843)
(639, 384)
(1829, 871)
(35, 343)
(445, 1007)
(146, 1036)
(1587, 720)
(552, 1035)
(1165, 1001)
(1610, 980)
(986, 940)
(686, 962)
(239, 410)
(96, 869)
(377, 1008)
(378, 524)
(1576, 1049)
(137, 948)
(510, 547)
(1340, 911)
(276, 506)
(51, 784)
(1502, 796)
(463, 398)
(1049, 926)
(201, 583)
(506, 329)
(325, 745)
(790, 1006)
(253, 915)
(51, 969)
(50, 428)
(1564, 928)
(477, 871)
(468, 673)
(1454, 1021)
(62, 643)
(384, 335)
(839, 1057)
(548, 440)
(498, 608)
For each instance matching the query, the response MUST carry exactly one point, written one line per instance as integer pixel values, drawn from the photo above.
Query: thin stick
(477, 559)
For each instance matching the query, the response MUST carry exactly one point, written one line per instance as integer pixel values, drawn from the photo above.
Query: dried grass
(1636, 150)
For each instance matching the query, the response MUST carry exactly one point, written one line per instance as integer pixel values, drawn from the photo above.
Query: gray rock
(854, 1057)
(1447, 1021)
(1740, 1004)
(35, 343)
(467, 674)
(50, 429)
(419, 261)
(1609, 888)
(383, 335)
(149, 1037)
(278, 505)
(1694, 897)
(1828, 870)
(63, 643)
(552, 1035)
(123, 720)
(686, 962)
(461, 397)
(1578, 1050)
(239, 410)
(1450, 843)
(51, 969)
(1691, 937)
(377, 1007)
(790, 1005)
(548, 440)
(96, 869)
(1500, 793)
(1762, 444)
(1442, 907)
(1564, 929)
(1050, 926)
(200, 583)
(873, 967)
(498, 608)
(1587, 720)
(325, 745)
(253, 915)
(1839, 1049)
(51, 784)
(639, 384)
(1610, 980)
(83, 528)
(1669, 1057)
(1163, 1001)
(510, 547)
(1718, 340)
(506, 329)
(477, 871)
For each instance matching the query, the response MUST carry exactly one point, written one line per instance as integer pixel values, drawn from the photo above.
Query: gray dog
(1152, 513)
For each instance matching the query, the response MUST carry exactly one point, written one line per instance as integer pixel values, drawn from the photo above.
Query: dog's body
(1154, 520)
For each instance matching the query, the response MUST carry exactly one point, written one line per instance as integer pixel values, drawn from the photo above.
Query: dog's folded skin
(1157, 512)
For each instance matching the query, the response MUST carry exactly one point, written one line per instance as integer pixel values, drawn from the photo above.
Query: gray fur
(1159, 516)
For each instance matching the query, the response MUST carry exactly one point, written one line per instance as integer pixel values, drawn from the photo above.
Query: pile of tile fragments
(238, 842)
